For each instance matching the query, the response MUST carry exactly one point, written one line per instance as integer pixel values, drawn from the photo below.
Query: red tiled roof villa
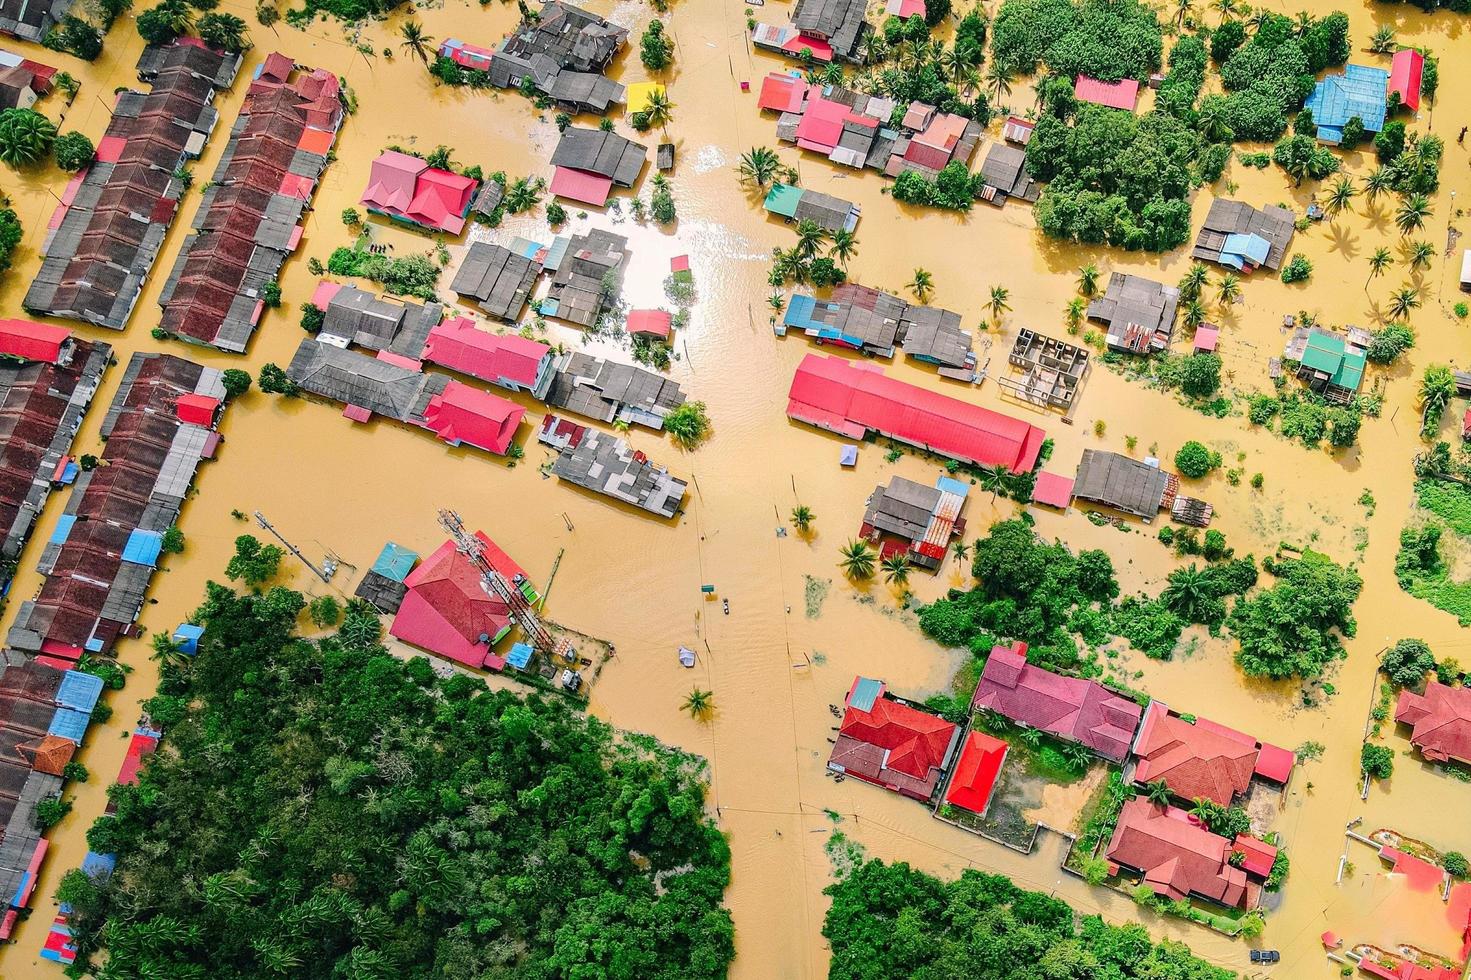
(1440, 721)
(976, 772)
(1195, 761)
(890, 744)
(1177, 857)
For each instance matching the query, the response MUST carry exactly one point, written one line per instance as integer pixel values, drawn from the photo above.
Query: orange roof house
(887, 742)
(1440, 721)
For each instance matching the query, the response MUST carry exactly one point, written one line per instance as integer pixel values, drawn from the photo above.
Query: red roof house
(650, 323)
(1177, 857)
(1072, 708)
(890, 744)
(197, 409)
(782, 92)
(461, 414)
(1440, 721)
(1405, 73)
(508, 360)
(1123, 94)
(405, 188)
(582, 186)
(1054, 490)
(852, 399)
(976, 772)
(1193, 760)
(1259, 854)
(446, 612)
(32, 341)
(140, 747)
(822, 125)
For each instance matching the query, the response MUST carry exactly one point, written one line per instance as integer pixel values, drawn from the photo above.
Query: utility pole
(325, 576)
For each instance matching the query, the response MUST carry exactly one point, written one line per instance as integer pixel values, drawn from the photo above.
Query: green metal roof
(1351, 372)
(782, 199)
(1324, 352)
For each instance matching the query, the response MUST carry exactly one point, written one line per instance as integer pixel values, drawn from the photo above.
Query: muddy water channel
(774, 669)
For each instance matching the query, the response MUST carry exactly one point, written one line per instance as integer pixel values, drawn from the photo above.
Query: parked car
(1265, 956)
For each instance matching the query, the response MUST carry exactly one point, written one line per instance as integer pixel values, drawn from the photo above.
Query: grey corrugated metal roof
(354, 378)
(608, 465)
(606, 154)
(1120, 482)
(498, 278)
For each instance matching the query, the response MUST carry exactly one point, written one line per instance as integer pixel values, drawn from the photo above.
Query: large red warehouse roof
(852, 399)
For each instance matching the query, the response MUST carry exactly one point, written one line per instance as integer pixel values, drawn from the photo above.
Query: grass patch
(1449, 501)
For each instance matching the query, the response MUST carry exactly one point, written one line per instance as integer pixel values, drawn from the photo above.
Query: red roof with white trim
(852, 398)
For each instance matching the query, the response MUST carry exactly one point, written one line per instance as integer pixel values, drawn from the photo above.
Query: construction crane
(494, 583)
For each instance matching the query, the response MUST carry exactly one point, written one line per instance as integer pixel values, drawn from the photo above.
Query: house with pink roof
(407, 189)
(507, 360)
(464, 415)
(1123, 94)
(1071, 708)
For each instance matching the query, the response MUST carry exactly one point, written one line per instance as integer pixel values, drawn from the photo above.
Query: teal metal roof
(395, 561)
(866, 691)
(782, 199)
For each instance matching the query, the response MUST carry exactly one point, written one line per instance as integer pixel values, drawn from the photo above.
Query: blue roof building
(69, 723)
(1359, 91)
(1243, 251)
(143, 547)
(79, 691)
(519, 656)
(186, 638)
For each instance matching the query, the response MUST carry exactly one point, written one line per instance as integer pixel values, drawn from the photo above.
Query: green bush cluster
(407, 275)
(1292, 629)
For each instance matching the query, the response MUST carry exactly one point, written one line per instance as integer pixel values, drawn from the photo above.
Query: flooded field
(773, 665)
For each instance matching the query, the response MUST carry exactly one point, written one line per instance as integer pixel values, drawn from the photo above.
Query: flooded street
(330, 484)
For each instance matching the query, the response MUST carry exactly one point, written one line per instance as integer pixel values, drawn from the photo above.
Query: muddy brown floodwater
(330, 484)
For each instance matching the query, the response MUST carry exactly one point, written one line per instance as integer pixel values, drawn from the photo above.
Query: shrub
(688, 424)
(172, 542)
(1407, 662)
(1389, 342)
(1297, 269)
(1455, 864)
(75, 772)
(1200, 375)
(312, 318)
(236, 382)
(1194, 460)
(656, 50)
(49, 812)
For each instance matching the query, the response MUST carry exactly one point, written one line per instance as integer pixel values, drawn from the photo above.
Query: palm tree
(1378, 262)
(759, 165)
(998, 80)
(922, 285)
(1259, 16)
(842, 246)
(659, 110)
(1411, 213)
(1074, 312)
(1304, 23)
(1383, 41)
(1193, 281)
(1403, 301)
(802, 517)
(1378, 181)
(699, 703)
(1227, 8)
(857, 559)
(1421, 253)
(1188, 594)
(1158, 792)
(1194, 314)
(166, 651)
(810, 236)
(415, 41)
(998, 304)
(1340, 194)
(25, 136)
(1228, 290)
(896, 570)
(1182, 11)
(1212, 122)
(1202, 809)
(1437, 387)
(960, 549)
(1088, 279)
(992, 479)
(832, 74)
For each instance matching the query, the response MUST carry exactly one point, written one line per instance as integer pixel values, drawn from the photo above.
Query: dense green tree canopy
(889, 920)
(1108, 39)
(1292, 629)
(322, 809)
